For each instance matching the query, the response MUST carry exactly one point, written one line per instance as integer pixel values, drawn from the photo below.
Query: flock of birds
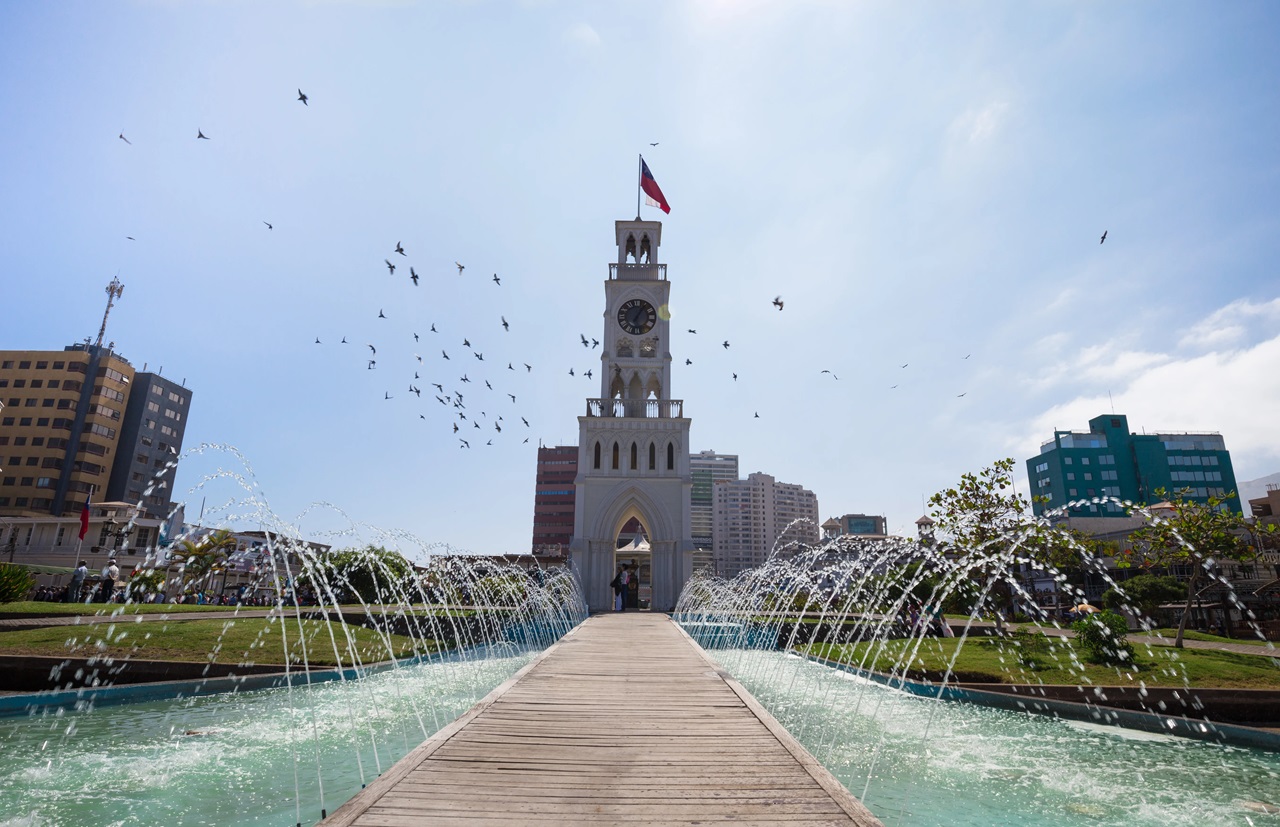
(467, 412)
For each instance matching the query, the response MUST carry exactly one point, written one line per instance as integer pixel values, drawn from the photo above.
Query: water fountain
(288, 746)
(847, 646)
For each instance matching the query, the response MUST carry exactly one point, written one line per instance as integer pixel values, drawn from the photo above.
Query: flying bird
(131, 238)
(415, 341)
(571, 372)
(445, 355)
(372, 363)
(317, 340)
(126, 140)
(757, 415)
(735, 377)
(1104, 237)
(960, 395)
(691, 330)
(496, 280)
(372, 348)
(268, 223)
(200, 135)
(497, 427)
(489, 442)
(688, 361)
(513, 398)
(487, 385)
(433, 328)
(344, 340)
(438, 387)
(455, 427)
(726, 344)
(386, 395)
(585, 343)
(505, 325)
(302, 98)
(509, 367)
(466, 343)
(413, 275)
(528, 368)
(655, 143)
(525, 421)
(464, 378)
(526, 440)
(460, 267)
(588, 373)
(380, 314)
(390, 266)
(595, 343)
(967, 355)
(478, 355)
(464, 444)
(399, 249)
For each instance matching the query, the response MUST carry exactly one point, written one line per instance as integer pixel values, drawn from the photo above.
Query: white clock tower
(633, 442)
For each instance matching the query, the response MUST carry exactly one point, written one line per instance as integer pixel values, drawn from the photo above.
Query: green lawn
(984, 660)
(232, 641)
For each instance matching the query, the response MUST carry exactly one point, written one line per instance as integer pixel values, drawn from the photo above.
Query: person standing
(618, 588)
(77, 583)
(107, 585)
(632, 598)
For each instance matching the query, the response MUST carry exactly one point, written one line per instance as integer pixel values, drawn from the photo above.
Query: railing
(636, 408)
(638, 272)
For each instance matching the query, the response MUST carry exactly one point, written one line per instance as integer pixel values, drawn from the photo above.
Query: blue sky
(920, 181)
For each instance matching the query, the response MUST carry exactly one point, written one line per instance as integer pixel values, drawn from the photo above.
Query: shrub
(1102, 637)
(15, 583)
(1033, 648)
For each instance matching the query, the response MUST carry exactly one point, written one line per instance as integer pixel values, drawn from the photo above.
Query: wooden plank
(624, 721)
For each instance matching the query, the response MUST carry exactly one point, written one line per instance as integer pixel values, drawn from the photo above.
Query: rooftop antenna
(114, 291)
(1113, 403)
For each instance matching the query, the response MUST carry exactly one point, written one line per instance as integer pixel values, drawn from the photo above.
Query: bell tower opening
(633, 555)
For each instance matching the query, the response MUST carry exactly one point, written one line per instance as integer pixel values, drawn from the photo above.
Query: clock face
(637, 316)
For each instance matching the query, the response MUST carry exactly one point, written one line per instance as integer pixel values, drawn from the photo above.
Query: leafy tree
(1102, 636)
(373, 573)
(982, 520)
(1193, 534)
(1145, 592)
(15, 582)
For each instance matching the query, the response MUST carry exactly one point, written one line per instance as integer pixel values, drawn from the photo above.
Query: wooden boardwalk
(624, 721)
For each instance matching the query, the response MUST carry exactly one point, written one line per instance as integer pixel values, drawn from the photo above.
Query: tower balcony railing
(638, 272)
(636, 408)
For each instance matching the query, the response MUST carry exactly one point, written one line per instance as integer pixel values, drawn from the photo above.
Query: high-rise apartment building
(755, 515)
(1109, 461)
(81, 422)
(707, 468)
(553, 498)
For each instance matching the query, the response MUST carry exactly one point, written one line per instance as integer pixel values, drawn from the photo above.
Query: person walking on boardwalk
(77, 583)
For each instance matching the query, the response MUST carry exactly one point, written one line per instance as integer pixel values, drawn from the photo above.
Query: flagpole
(639, 175)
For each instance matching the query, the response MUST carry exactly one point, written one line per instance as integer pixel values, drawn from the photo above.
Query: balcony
(638, 272)
(636, 408)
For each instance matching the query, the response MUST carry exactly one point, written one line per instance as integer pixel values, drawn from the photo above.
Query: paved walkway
(624, 721)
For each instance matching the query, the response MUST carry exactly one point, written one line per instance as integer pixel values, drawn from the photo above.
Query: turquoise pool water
(917, 762)
(232, 759)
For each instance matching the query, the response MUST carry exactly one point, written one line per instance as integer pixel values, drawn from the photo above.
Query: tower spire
(114, 291)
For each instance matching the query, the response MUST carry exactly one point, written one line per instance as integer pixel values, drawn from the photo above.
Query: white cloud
(1228, 325)
(582, 34)
(1233, 392)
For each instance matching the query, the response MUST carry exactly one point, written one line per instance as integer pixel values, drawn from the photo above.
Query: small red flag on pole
(84, 518)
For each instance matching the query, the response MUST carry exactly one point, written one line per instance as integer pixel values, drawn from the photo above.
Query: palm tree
(198, 559)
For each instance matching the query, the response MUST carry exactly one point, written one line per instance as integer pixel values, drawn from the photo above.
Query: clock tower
(633, 441)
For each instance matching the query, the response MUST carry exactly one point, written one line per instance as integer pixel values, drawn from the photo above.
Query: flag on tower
(84, 518)
(652, 192)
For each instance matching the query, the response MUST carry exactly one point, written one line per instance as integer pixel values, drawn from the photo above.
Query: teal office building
(1075, 468)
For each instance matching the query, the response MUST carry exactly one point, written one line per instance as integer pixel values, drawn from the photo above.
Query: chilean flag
(84, 518)
(652, 192)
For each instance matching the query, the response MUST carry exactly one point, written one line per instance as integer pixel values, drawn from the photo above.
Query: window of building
(1066, 460)
(1042, 467)
(8, 420)
(4, 383)
(62, 531)
(1071, 476)
(26, 420)
(653, 457)
(33, 460)
(29, 403)
(615, 456)
(671, 456)
(26, 481)
(146, 441)
(635, 457)
(42, 421)
(24, 366)
(44, 482)
(42, 365)
(37, 383)
(19, 502)
(59, 365)
(19, 440)
(153, 406)
(53, 384)
(46, 403)
(597, 453)
(1088, 476)
(6, 364)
